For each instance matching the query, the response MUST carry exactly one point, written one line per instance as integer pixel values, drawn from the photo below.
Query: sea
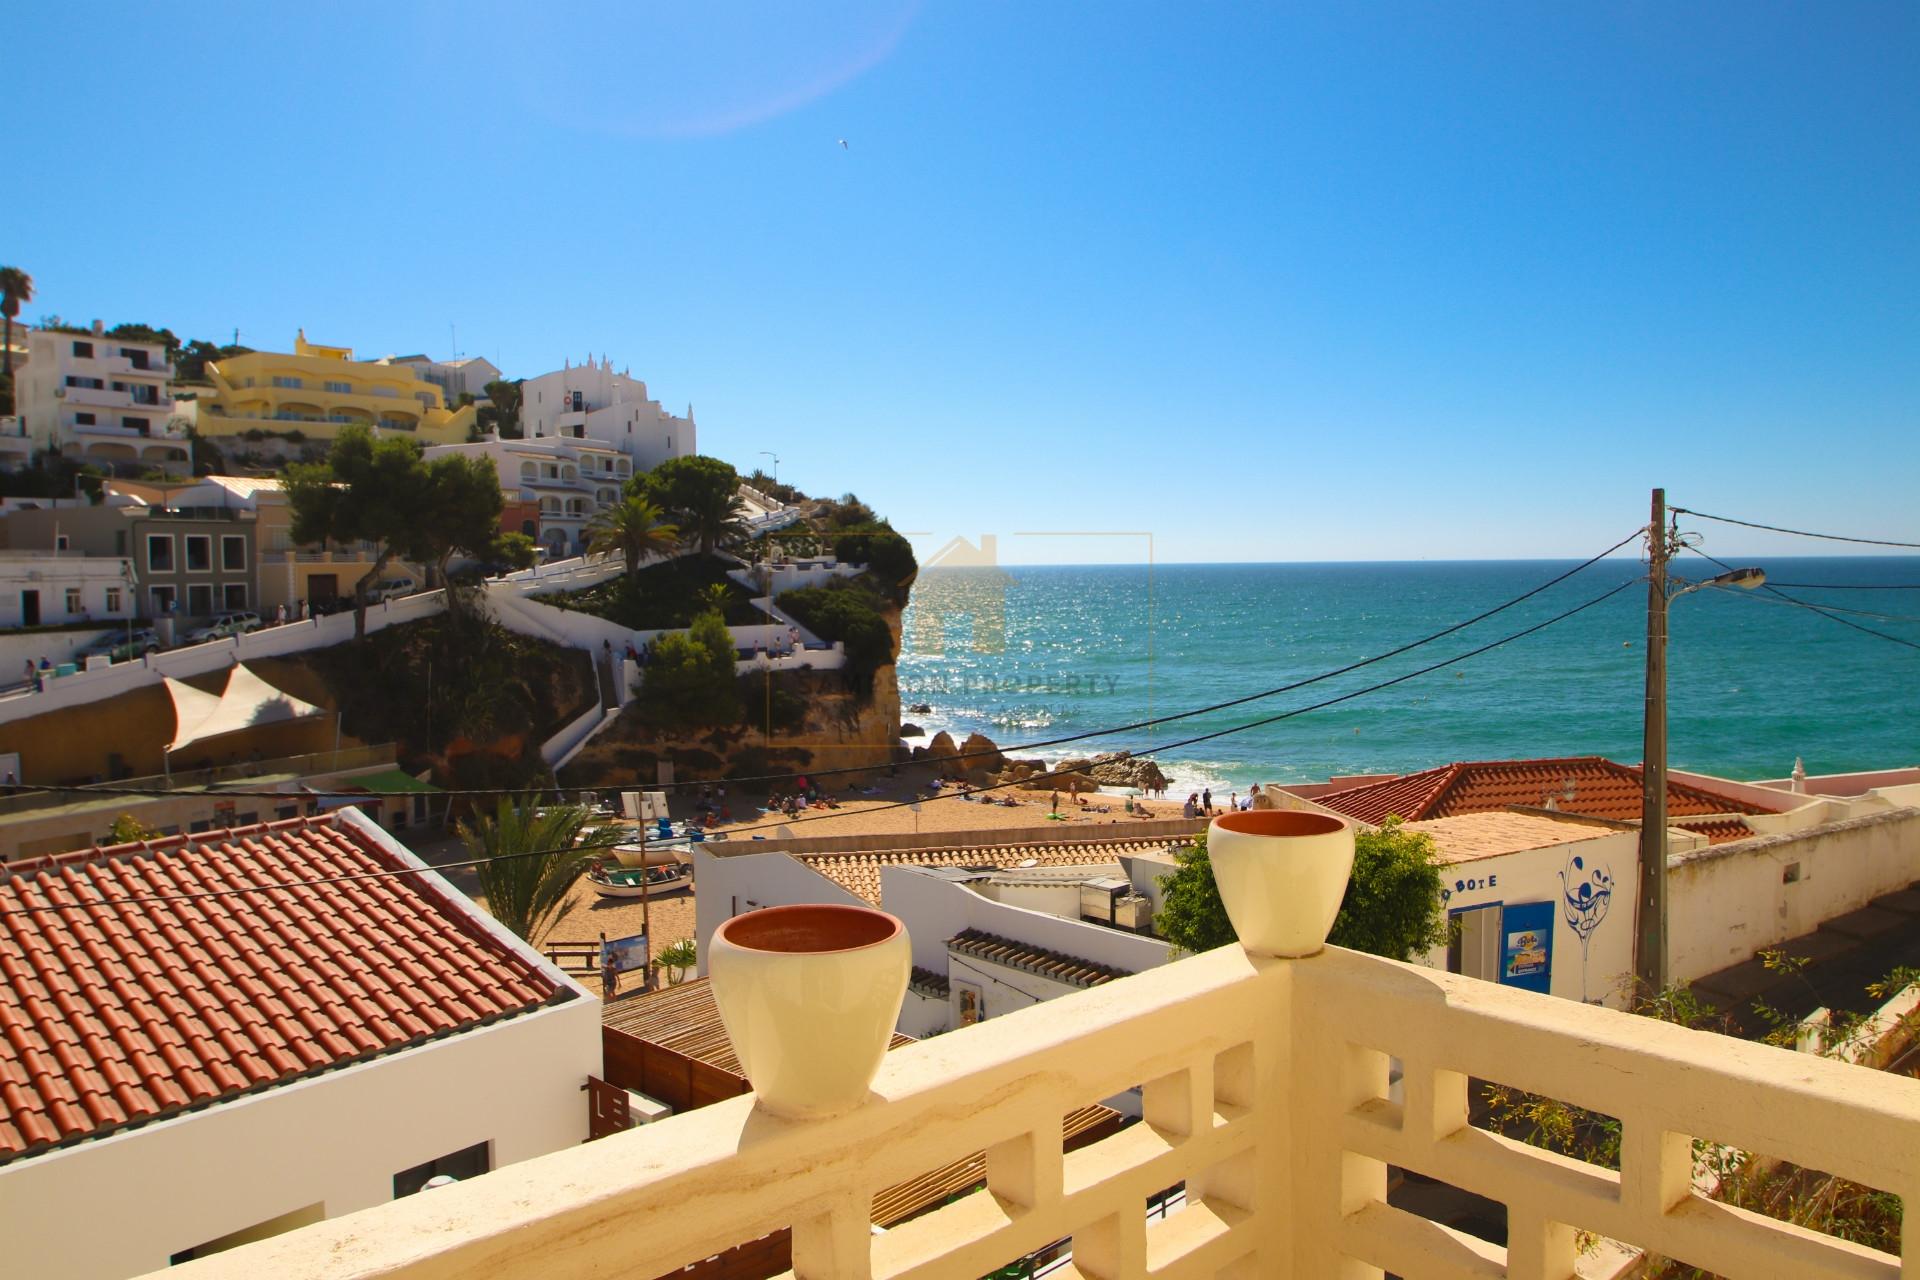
(1027, 655)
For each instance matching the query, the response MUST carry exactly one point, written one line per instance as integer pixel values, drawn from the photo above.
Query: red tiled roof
(1599, 788)
(111, 1017)
(859, 873)
(1720, 831)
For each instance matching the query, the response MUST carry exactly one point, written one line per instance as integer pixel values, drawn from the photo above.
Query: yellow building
(317, 390)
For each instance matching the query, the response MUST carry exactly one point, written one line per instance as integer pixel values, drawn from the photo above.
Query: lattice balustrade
(1265, 1091)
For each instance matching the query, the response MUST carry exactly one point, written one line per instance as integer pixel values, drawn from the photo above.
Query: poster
(1526, 945)
(627, 954)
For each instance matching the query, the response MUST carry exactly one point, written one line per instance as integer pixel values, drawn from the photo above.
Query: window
(159, 553)
(199, 553)
(163, 601)
(286, 811)
(470, 1163)
(137, 357)
(91, 384)
(132, 423)
(293, 384)
(233, 552)
(200, 599)
(83, 350)
(59, 542)
(82, 419)
(113, 599)
(340, 388)
(233, 595)
(73, 600)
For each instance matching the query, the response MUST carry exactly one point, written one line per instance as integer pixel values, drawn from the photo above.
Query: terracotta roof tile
(1719, 831)
(114, 1017)
(859, 873)
(1056, 965)
(1587, 785)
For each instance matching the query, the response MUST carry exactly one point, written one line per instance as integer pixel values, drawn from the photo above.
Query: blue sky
(1387, 281)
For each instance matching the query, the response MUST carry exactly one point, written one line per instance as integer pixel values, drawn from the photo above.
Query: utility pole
(1650, 937)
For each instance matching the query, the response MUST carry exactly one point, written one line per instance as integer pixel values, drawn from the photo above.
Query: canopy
(247, 703)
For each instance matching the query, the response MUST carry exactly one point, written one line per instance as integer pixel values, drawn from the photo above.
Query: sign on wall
(627, 954)
(1526, 945)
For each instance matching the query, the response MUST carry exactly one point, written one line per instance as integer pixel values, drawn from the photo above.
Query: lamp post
(1650, 936)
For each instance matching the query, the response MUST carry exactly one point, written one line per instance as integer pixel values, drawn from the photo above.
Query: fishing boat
(631, 882)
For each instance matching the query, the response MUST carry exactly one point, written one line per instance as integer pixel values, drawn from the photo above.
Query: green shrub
(848, 612)
(888, 557)
(690, 681)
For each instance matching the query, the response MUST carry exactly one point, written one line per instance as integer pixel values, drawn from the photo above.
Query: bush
(888, 557)
(1392, 906)
(663, 597)
(848, 612)
(690, 681)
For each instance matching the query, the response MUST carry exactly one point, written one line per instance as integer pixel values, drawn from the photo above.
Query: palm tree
(16, 287)
(721, 517)
(534, 862)
(715, 596)
(636, 528)
(674, 961)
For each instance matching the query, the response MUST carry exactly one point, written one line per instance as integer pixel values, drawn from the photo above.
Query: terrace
(1277, 1091)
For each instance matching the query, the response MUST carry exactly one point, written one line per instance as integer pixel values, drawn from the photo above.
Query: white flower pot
(1281, 875)
(809, 995)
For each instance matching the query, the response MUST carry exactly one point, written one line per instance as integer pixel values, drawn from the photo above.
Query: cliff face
(793, 721)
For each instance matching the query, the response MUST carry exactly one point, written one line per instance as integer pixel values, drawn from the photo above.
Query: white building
(553, 486)
(467, 375)
(987, 939)
(591, 401)
(101, 400)
(42, 588)
(278, 1059)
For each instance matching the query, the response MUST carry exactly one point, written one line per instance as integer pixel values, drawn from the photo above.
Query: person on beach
(1053, 801)
(1206, 800)
(1190, 809)
(609, 977)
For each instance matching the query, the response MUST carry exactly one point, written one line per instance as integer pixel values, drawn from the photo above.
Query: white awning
(247, 703)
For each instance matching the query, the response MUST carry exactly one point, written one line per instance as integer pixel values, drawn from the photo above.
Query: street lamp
(1650, 938)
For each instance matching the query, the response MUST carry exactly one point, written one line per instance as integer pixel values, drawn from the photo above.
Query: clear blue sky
(1334, 282)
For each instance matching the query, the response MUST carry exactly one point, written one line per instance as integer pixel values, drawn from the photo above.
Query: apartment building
(43, 588)
(592, 401)
(188, 563)
(101, 400)
(553, 486)
(310, 393)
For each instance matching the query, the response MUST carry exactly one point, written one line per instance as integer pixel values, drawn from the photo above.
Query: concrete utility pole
(1650, 936)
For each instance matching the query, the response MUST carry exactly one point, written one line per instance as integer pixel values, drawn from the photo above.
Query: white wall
(936, 909)
(1727, 902)
(922, 1016)
(55, 646)
(1542, 875)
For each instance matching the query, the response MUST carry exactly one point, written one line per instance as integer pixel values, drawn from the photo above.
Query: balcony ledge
(1265, 1092)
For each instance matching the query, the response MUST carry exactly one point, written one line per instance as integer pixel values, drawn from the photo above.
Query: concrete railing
(1265, 1091)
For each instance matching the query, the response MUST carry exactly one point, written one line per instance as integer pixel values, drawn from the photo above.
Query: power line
(277, 886)
(1798, 533)
(1805, 604)
(1851, 586)
(1830, 608)
(934, 760)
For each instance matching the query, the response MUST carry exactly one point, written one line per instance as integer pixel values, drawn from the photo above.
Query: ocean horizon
(1026, 653)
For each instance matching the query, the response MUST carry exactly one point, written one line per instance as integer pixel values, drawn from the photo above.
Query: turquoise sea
(1024, 654)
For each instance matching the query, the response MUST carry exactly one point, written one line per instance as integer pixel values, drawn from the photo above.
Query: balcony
(107, 398)
(1265, 1091)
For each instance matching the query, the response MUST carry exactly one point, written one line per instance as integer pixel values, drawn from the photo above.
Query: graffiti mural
(1585, 895)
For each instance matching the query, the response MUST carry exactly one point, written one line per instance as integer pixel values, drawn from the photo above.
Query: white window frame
(162, 597)
(76, 600)
(228, 604)
(186, 556)
(207, 612)
(173, 560)
(113, 599)
(226, 539)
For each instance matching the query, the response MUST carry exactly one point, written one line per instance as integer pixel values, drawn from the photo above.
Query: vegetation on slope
(664, 596)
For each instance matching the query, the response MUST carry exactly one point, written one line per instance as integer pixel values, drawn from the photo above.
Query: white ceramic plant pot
(809, 995)
(1281, 875)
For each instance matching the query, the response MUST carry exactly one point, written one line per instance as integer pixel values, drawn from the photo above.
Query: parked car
(392, 589)
(227, 624)
(138, 645)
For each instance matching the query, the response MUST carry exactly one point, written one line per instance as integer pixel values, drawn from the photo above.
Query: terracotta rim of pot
(1279, 822)
(811, 928)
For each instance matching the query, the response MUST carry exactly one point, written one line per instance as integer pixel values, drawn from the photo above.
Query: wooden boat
(656, 853)
(631, 882)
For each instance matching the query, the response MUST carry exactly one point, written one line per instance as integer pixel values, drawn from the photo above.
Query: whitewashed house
(593, 402)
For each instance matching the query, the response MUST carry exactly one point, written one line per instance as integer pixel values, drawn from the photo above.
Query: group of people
(1200, 803)
(805, 795)
(783, 645)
